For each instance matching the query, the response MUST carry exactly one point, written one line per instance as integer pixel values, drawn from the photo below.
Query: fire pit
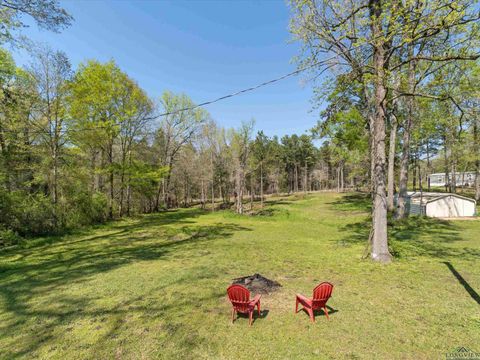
(257, 283)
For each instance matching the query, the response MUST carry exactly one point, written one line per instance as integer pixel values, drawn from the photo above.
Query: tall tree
(180, 124)
(106, 107)
(51, 71)
(48, 14)
(239, 141)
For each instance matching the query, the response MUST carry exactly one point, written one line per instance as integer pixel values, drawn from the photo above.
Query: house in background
(461, 179)
(440, 205)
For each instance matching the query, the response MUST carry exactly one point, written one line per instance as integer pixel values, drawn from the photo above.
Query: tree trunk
(407, 128)
(447, 180)
(476, 149)
(453, 183)
(429, 168)
(305, 181)
(261, 184)
(379, 243)
(391, 163)
(342, 178)
(111, 178)
(122, 184)
(202, 199)
(213, 180)
(295, 185)
(251, 192)
(129, 189)
(414, 173)
(239, 190)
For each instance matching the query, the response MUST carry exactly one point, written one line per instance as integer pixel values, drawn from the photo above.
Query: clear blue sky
(203, 48)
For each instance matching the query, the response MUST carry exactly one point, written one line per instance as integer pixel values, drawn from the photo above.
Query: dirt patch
(258, 284)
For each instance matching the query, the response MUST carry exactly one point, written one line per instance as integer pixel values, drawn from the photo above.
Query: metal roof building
(441, 205)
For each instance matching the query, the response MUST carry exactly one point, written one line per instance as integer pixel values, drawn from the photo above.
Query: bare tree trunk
(203, 194)
(295, 185)
(414, 173)
(251, 192)
(447, 180)
(380, 250)
(476, 149)
(305, 179)
(342, 179)
(94, 179)
(338, 178)
(213, 182)
(122, 184)
(129, 188)
(453, 183)
(391, 163)
(111, 180)
(403, 182)
(239, 189)
(261, 184)
(429, 166)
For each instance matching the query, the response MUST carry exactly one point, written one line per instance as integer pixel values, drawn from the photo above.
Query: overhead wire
(239, 92)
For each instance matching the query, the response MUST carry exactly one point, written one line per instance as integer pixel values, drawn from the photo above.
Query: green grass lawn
(155, 287)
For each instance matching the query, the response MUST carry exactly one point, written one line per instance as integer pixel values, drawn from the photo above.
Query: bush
(8, 237)
(85, 209)
(36, 215)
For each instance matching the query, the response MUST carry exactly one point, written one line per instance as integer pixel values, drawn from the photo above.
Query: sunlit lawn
(154, 287)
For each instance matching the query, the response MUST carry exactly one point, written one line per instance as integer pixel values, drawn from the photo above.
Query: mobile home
(461, 179)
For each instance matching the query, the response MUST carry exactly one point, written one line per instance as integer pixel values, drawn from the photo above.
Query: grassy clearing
(154, 287)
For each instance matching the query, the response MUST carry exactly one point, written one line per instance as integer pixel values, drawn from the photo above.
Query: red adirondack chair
(240, 298)
(321, 294)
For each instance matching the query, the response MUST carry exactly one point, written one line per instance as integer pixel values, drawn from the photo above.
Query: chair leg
(310, 312)
(326, 312)
(296, 305)
(233, 315)
(250, 315)
(258, 308)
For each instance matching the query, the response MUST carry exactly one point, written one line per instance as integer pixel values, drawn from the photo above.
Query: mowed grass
(155, 287)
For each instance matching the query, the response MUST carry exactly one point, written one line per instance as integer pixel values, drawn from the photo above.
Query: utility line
(252, 88)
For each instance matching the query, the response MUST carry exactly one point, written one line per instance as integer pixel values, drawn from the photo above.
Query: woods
(84, 146)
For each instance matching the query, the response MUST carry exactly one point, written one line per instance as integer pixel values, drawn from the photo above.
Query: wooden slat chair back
(321, 294)
(241, 303)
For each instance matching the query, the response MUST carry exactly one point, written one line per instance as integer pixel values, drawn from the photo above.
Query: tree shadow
(358, 202)
(34, 273)
(474, 295)
(414, 236)
(167, 217)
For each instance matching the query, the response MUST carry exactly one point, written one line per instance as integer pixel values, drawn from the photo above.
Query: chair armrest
(304, 300)
(256, 299)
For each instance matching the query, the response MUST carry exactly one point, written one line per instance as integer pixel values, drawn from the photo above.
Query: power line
(249, 89)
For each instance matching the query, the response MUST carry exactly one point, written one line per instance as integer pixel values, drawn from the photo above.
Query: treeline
(81, 147)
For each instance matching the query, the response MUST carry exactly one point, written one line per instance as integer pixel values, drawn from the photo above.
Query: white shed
(441, 205)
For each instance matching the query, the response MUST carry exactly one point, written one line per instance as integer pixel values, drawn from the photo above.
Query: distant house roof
(426, 197)
(458, 173)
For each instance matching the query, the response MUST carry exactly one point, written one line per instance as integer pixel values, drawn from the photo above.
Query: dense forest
(83, 145)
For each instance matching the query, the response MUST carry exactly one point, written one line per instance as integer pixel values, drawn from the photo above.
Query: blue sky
(203, 48)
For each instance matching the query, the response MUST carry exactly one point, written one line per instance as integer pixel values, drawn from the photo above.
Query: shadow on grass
(353, 202)
(37, 272)
(319, 312)
(414, 236)
(475, 296)
(263, 315)
(156, 219)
